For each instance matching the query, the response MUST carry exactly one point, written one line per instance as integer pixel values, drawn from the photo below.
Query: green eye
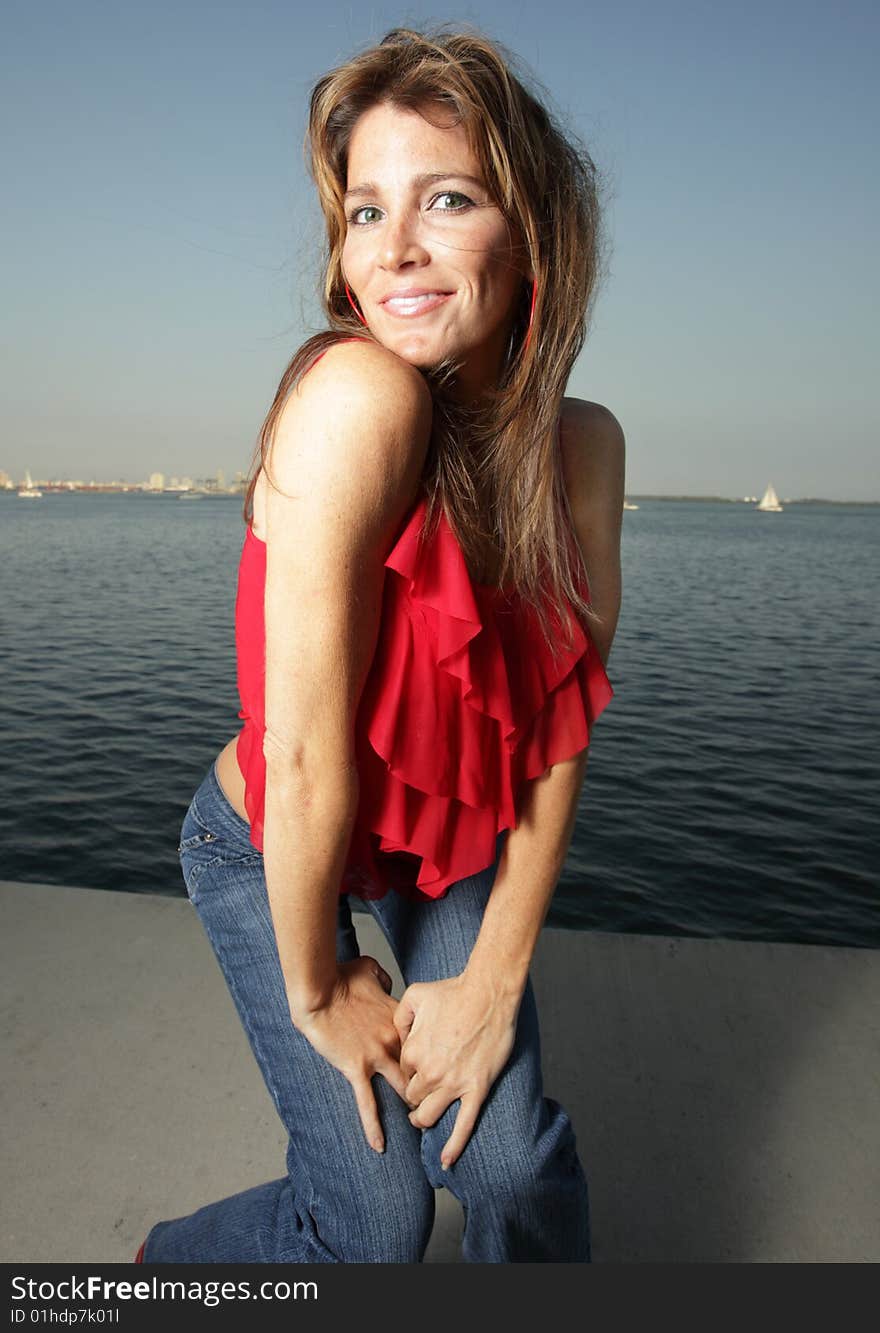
(367, 208)
(454, 194)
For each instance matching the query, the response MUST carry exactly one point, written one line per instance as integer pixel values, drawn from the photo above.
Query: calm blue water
(733, 781)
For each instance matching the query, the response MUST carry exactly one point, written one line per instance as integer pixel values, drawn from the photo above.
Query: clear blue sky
(161, 239)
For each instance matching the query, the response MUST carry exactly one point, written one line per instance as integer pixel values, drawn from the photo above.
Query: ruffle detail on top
(463, 703)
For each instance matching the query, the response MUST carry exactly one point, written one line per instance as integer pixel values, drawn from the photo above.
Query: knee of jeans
(502, 1175)
(389, 1228)
(506, 1159)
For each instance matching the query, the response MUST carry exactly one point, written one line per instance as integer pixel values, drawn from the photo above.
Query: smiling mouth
(415, 305)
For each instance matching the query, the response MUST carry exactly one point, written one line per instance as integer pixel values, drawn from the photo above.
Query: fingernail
(444, 1164)
(378, 1145)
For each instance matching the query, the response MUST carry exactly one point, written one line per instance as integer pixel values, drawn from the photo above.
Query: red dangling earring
(531, 312)
(353, 306)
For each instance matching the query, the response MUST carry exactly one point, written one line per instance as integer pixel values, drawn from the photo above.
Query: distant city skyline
(155, 480)
(164, 240)
(182, 480)
(217, 484)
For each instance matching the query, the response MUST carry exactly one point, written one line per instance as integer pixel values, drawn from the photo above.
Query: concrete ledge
(726, 1095)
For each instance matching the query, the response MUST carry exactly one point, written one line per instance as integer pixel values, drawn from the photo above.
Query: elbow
(304, 773)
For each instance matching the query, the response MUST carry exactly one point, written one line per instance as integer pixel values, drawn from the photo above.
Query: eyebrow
(427, 178)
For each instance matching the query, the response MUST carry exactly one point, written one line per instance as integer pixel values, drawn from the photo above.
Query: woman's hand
(457, 1036)
(355, 1032)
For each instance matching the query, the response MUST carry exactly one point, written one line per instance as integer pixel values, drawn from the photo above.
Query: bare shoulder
(365, 370)
(360, 407)
(594, 464)
(593, 458)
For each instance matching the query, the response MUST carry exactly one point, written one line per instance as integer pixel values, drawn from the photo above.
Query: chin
(419, 352)
(423, 351)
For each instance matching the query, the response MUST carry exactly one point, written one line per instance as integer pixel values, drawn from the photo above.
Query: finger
(430, 1109)
(409, 1059)
(369, 1113)
(392, 1074)
(464, 1127)
(404, 1016)
(416, 1089)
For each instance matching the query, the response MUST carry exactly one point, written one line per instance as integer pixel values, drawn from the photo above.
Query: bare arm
(346, 458)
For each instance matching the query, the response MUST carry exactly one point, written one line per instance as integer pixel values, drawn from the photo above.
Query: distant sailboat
(29, 490)
(627, 505)
(770, 502)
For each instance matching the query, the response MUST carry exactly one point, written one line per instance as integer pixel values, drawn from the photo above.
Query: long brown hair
(495, 469)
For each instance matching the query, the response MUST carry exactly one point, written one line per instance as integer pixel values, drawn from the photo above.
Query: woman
(418, 681)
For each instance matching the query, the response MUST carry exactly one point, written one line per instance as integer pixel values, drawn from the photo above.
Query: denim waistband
(213, 808)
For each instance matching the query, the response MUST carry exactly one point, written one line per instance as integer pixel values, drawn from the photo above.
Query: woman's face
(427, 254)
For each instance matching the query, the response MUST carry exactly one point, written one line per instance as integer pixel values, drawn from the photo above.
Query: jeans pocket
(199, 847)
(203, 847)
(194, 832)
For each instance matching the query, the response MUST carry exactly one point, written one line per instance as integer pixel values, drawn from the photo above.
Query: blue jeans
(519, 1179)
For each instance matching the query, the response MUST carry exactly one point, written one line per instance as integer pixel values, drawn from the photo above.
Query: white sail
(770, 502)
(29, 491)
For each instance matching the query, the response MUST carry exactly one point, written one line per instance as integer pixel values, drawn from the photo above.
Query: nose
(400, 243)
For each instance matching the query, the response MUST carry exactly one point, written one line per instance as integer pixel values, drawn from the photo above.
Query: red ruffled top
(463, 704)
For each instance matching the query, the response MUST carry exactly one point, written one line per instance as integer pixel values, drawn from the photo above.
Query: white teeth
(412, 302)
